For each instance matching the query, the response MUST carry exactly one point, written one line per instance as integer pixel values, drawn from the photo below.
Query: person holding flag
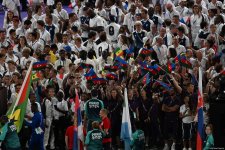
(92, 109)
(8, 134)
(37, 136)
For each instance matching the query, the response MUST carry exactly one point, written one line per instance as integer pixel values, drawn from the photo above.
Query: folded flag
(91, 74)
(111, 76)
(35, 76)
(40, 65)
(119, 52)
(165, 85)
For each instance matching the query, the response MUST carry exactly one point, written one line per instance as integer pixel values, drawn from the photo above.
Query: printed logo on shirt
(96, 136)
(93, 104)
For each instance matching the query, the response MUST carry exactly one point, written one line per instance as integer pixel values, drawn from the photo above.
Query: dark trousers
(217, 118)
(24, 136)
(106, 146)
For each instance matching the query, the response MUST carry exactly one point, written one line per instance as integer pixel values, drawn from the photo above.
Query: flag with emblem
(35, 76)
(18, 109)
(39, 65)
(119, 52)
(91, 74)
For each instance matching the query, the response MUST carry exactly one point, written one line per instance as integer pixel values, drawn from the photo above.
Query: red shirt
(105, 124)
(70, 135)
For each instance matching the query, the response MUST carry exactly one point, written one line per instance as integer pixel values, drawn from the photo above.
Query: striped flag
(119, 52)
(146, 79)
(164, 85)
(39, 65)
(111, 76)
(18, 109)
(78, 127)
(91, 74)
(126, 131)
(200, 113)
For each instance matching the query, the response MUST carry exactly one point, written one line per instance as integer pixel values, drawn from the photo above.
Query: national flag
(91, 74)
(200, 131)
(111, 76)
(126, 131)
(146, 79)
(18, 109)
(78, 127)
(119, 52)
(146, 52)
(130, 51)
(185, 20)
(111, 68)
(158, 69)
(39, 65)
(99, 81)
(35, 76)
(84, 66)
(181, 58)
(122, 63)
(170, 67)
(186, 63)
(143, 64)
(165, 85)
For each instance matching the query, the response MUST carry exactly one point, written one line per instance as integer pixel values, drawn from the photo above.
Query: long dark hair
(26, 44)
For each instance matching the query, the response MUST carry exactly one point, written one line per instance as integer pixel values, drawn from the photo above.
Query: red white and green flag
(18, 108)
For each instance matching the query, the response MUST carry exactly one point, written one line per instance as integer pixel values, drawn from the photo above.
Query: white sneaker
(189, 148)
(173, 146)
(166, 147)
(184, 148)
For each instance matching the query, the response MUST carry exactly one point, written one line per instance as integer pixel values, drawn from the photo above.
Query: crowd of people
(152, 48)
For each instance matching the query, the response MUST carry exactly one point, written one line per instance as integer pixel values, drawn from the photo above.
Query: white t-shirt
(12, 5)
(44, 37)
(129, 21)
(97, 21)
(62, 14)
(184, 110)
(112, 31)
(103, 46)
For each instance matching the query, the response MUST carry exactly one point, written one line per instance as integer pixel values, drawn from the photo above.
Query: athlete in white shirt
(44, 34)
(112, 31)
